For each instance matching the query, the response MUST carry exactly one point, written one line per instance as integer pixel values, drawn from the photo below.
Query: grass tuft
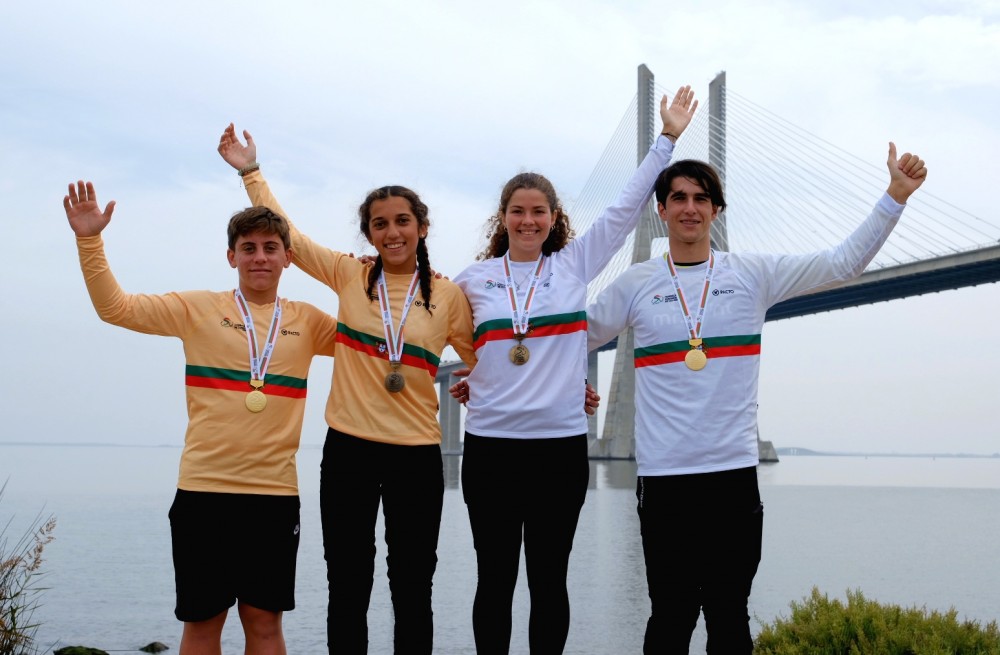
(20, 572)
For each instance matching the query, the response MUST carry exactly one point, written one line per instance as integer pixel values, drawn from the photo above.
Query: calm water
(912, 531)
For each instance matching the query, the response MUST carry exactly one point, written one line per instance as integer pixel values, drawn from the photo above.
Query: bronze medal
(519, 354)
(394, 381)
(520, 314)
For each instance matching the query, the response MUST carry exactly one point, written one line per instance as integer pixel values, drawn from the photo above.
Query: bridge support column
(618, 441)
(717, 151)
(450, 415)
(449, 411)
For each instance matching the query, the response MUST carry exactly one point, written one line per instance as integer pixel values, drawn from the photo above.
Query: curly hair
(420, 212)
(498, 240)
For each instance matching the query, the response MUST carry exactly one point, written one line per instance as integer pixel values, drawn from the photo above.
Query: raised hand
(906, 174)
(84, 214)
(235, 153)
(677, 115)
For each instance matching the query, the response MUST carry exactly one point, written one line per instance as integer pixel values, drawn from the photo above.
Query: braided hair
(420, 212)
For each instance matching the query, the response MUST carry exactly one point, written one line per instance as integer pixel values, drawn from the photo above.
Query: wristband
(249, 168)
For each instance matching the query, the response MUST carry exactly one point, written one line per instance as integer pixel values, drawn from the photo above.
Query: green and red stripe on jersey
(502, 329)
(368, 344)
(742, 345)
(229, 379)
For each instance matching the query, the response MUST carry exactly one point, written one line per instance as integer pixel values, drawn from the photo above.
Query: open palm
(677, 115)
(84, 214)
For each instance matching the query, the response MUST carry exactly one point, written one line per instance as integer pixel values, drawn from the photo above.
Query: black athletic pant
(409, 481)
(530, 489)
(701, 538)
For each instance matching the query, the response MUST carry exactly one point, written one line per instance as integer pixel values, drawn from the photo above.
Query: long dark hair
(497, 238)
(420, 212)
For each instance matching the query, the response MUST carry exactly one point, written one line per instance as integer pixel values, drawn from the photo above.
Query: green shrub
(820, 626)
(19, 591)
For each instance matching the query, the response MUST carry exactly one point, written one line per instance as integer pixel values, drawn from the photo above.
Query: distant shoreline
(99, 444)
(808, 452)
(788, 451)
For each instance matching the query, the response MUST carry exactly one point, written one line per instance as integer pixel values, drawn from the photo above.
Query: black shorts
(230, 547)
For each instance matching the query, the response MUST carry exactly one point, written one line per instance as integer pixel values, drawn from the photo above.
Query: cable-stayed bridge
(787, 191)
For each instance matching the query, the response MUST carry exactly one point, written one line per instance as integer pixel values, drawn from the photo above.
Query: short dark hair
(699, 172)
(258, 219)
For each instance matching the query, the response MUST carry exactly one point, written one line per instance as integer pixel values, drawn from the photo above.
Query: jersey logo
(657, 299)
(227, 322)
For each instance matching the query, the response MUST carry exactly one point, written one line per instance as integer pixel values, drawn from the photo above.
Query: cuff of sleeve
(251, 177)
(663, 142)
(95, 240)
(889, 204)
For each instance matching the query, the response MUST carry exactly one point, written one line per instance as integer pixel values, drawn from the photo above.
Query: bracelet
(669, 134)
(249, 168)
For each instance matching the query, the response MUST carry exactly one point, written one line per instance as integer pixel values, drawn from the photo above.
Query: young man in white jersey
(696, 395)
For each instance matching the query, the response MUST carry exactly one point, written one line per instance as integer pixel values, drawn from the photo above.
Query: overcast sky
(451, 99)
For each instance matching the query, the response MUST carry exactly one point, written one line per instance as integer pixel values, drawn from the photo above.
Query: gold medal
(256, 401)
(394, 381)
(695, 359)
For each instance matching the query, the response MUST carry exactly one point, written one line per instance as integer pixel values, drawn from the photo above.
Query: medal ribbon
(520, 316)
(258, 361)
(394, 339)
(694, 325)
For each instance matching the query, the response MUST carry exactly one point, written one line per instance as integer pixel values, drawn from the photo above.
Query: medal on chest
(519, 354)
(697, 358)
(394, 380)
(256, 400)
(520, 309)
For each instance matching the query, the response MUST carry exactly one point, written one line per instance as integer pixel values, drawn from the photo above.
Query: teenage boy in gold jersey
(235, 518)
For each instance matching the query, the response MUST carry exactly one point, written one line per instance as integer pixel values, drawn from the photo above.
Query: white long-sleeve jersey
(704, 421)
(544, 397)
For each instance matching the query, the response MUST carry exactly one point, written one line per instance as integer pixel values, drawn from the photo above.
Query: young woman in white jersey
(384, 438)
(525, 468)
